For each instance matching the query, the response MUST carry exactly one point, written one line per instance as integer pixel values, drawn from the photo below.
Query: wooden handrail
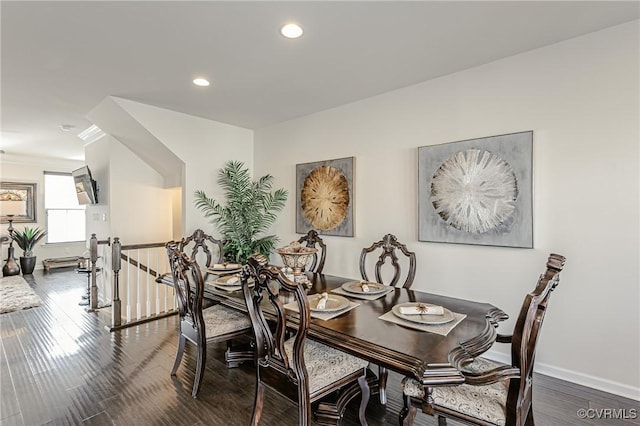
(141, 246)
(139, 265)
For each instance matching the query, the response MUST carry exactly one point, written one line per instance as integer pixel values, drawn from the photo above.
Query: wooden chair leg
(364, 401)
(442, 421)
(258, 403)
(176, 363)
(200, 364)
(382, 386)
(408, 412)
(529, 421)
(305, 415)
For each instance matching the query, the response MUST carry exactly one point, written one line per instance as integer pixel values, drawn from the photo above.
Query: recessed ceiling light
(201, 82)
(291, 31)
(66, 127)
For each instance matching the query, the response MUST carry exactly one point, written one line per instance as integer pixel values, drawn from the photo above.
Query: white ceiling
(60, 59)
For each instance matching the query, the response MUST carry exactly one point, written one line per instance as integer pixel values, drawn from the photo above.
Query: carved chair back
(203, 248)
(189, 288)
(525, 338)
(389, 247)
(312, 239)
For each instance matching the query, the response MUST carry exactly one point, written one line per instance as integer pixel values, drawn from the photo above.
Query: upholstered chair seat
(487, 402)
(325, 365)
(220, 320)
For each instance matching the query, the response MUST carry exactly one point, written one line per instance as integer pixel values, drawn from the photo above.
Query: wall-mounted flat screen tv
(86, 187)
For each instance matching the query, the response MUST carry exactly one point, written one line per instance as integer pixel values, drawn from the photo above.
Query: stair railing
(137, 297)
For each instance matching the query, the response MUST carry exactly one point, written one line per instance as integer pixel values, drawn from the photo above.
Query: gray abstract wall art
(477, 191)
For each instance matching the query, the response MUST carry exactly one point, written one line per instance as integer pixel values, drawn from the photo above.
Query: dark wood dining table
(430, 358)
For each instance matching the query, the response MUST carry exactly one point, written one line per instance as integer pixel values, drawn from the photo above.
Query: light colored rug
(15, 294)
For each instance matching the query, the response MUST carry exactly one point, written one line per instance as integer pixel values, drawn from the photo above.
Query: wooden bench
(59, 262)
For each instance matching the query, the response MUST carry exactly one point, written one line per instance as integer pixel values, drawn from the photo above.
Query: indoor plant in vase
(250, 209)
(26, 240)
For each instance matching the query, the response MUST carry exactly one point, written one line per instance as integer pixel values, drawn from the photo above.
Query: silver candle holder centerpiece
(296, 256)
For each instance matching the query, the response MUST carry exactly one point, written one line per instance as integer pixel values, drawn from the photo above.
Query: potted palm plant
(26, 240)
(249, 210)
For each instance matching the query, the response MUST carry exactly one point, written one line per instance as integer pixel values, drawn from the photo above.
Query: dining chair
(199, 326)
(388, 247)
(493, 393)
(206, 251)
(301, 369)
(312, 239)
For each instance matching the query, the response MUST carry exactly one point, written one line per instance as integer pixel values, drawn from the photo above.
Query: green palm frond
(250, 208)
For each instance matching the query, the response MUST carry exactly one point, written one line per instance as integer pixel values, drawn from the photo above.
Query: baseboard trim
(593, 382)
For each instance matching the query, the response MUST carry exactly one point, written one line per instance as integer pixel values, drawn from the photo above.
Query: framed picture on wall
(324, 197)
(19, 200)
(477, 191)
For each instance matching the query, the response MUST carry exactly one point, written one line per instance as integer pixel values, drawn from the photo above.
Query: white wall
(203, 145)
(31, 170)
(135, 202)
(98, 158)
(140, 206)
(133, 205)
(580, 98)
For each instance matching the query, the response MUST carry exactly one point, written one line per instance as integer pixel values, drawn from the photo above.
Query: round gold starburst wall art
(325, 197)
(474, 191)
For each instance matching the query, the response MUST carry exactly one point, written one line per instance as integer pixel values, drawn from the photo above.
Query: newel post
(93, 250)
(116, 251)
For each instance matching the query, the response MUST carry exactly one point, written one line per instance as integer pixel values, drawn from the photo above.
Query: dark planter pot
(27, 264)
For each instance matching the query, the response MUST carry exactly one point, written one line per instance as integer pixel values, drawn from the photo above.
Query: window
(65, 217)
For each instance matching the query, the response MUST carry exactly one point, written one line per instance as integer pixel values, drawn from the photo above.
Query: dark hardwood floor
(59, 366)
